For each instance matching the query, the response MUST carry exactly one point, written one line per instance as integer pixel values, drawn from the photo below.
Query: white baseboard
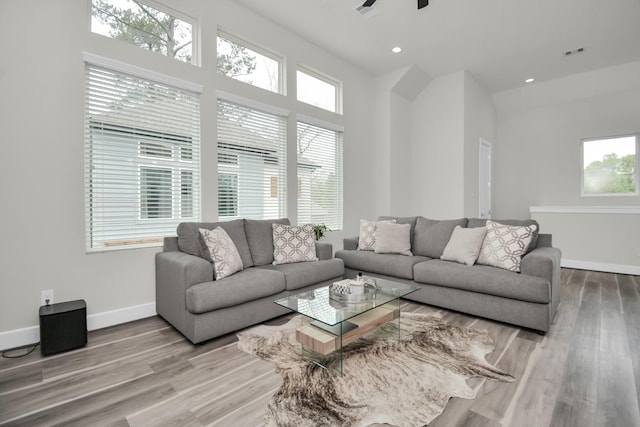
(31, 335)
(601, 266)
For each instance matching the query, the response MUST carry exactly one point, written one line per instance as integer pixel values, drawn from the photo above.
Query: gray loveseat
(201, 308)
(528, 298)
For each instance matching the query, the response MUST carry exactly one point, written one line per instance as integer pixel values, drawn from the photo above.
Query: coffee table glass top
(317, 305)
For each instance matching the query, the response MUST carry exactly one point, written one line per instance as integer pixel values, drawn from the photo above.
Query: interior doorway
(484, 192)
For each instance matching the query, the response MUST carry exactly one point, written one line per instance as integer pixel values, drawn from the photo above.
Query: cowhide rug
(403, 383)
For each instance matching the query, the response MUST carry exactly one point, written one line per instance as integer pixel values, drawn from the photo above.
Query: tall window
(142, 147)
(319, 175)
(251, 162)
(250, 64)
(610, 166)
(137, 23)
(315, 89)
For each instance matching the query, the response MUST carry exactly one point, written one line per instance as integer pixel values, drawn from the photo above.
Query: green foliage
(234, 60)
(611, 175)
(319, 230)
(145, 27)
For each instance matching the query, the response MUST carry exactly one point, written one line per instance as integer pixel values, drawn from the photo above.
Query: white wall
(42, 113)
(479, 122)
(538, 160)
(438, 149)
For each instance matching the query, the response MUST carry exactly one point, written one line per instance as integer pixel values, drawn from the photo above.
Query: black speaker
(63, 326)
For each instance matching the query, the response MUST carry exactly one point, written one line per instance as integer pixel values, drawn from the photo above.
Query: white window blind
(251, 162)
(142, 159)
(319, 176)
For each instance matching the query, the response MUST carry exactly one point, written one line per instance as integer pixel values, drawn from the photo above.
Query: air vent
(574, 52)
(366, 12)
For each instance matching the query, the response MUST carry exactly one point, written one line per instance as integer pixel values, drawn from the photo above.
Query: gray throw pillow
(223, 253)
(431, 236)
(393, 238)
(464, 245)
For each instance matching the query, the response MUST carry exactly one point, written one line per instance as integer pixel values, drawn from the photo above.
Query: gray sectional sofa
(528, 298)
(201, 308)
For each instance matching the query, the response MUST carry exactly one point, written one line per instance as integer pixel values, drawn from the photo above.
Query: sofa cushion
(483, 279)
(301, 274)
(431, 236)
(223, 253)
(293, 244)
(479, 222)
(388, 264)
(190, 241)
(247, 285)
(464, 245)
(367, 235)
(260, 238)
(411, 220)
(393, 238)
(504, 245)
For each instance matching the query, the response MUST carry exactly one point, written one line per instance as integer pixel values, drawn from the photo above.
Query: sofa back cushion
(431, 236)
(479, 222)
(260, 237)
(190, 240)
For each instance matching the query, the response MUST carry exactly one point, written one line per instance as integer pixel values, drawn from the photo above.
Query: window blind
(142, 159)
(320, 178)
(252, 168)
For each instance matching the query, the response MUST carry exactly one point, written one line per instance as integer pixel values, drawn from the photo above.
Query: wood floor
(584, 372)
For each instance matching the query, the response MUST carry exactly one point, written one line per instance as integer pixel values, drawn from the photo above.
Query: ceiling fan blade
(368, 3)
(423, 3)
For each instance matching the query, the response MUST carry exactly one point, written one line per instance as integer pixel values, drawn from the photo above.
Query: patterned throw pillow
(223, 253)
(504, 245)
(293, 244)
(367, 236)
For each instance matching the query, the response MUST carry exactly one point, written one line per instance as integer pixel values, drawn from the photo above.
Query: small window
(144, 26)
(318, 90)
(227, 195)
(610, 166)
(155, 193)
(249, 64)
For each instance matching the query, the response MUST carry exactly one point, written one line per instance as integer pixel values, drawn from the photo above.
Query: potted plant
(319, 230)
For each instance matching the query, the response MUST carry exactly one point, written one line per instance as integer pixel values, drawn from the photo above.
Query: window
(319, 176)
(142, 146)
(251, 152)
(147, 27)
(318, 90)
(610, 166)
(250, 64)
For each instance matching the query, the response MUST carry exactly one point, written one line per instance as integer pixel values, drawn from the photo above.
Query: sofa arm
(545, 262)
(324, 250)
(175, 273)
(181, 270)
(350, 243)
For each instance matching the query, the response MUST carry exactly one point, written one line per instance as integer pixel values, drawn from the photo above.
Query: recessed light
(396, 49)
(529, 80)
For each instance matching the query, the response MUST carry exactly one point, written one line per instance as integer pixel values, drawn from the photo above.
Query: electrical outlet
(46, 297)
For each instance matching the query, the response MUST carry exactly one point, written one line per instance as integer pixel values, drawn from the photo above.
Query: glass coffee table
(332, 324)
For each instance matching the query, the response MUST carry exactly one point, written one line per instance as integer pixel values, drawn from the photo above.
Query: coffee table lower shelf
(325, 342)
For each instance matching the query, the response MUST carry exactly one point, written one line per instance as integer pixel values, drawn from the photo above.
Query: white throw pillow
(464, 245)
(224, 254)
(393, 238)
(293, 244)
(367, 236)
(504, 245)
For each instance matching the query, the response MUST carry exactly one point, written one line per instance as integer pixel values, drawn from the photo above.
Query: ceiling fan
(421, 3)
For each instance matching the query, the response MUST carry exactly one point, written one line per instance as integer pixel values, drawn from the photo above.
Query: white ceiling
(500, 42)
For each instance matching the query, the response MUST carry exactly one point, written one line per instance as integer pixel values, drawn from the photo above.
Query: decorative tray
(340, 292)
